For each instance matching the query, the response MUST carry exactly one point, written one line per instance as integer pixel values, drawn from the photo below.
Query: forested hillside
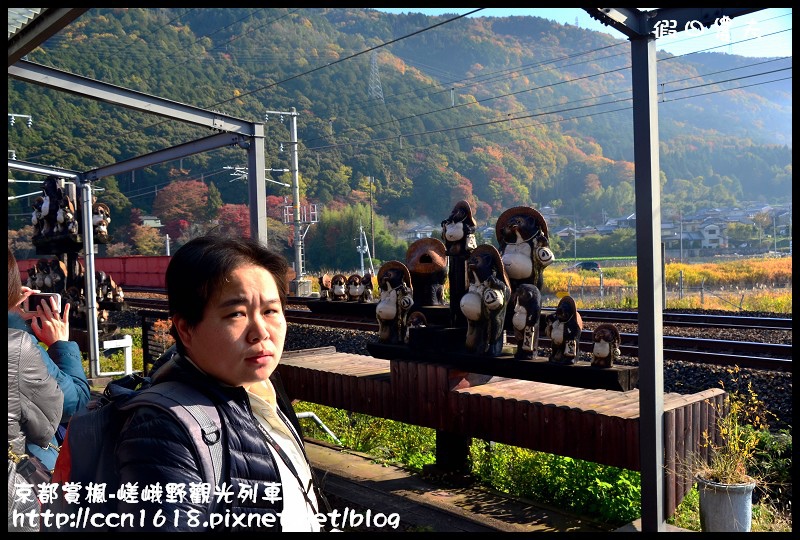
(496, 111)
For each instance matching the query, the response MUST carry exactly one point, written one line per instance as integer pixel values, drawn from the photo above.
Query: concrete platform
(353, 480)
(636, 526)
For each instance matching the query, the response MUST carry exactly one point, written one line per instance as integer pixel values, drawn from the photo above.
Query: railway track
(691, 320)
(705, 350)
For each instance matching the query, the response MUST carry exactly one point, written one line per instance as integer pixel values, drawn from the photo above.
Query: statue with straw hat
(394, 304)
(426, 260)
(485, 302)
(458, 234)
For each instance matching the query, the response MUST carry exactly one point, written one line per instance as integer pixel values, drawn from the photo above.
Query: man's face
(240, 339)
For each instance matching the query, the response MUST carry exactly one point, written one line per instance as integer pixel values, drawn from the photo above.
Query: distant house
(713, 235)
(612, 224)
(693, 233)
(565, 233)
(422, 231)
(488, 231)
(569, 232)
(783, 222)
(151, 221)
(705, 229)
(548, 213)
(607, 228)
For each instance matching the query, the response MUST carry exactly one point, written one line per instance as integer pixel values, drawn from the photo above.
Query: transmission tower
(375, 90)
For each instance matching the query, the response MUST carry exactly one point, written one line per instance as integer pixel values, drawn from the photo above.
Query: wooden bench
(589, 424)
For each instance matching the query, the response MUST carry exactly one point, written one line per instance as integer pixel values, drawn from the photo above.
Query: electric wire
(496, 75)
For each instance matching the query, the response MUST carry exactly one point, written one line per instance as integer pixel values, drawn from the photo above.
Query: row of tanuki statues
(491, 290)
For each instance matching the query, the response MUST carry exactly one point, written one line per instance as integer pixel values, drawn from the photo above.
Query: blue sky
(774, 21)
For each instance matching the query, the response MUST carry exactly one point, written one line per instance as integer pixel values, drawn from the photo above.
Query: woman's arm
(62, 357)
(63, 361)
(39, 396)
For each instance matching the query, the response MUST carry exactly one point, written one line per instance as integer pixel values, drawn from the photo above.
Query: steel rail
(767, 356)
(669, 318)
(691, 320)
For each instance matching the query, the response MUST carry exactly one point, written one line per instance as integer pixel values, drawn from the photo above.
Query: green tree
(331, 184)
(214, 202)
(741, 233)
(621, 243)
(331, 244)
(763, 221)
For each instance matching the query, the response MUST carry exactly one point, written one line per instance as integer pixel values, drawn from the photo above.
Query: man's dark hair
(200, 268)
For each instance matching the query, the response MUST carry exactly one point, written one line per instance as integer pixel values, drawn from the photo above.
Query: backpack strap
(285, 403)
(197, 414)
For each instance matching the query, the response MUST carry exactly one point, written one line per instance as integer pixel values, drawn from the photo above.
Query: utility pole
(774, 233)
(298, 237)
(12, 118)
(575, 238)
(371, 218)
(361, 247)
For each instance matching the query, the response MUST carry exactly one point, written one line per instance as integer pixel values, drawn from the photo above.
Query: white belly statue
(472, 303)
(454, 232)
(520, 318)
(517, 260)
(386, 309)
(557, 332)
(601, 348)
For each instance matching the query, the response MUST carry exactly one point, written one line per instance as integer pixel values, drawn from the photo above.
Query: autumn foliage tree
(147, 240)
(185, 200)
(234, 220)
(176, 228)
(20, 242)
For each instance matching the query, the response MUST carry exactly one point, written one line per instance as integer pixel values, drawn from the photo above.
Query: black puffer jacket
(152, 449)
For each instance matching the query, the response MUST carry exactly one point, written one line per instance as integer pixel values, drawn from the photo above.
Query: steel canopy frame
(638, 26)
(40, 27)
(233, 131)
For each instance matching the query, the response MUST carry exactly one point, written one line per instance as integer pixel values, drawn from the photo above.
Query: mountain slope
(498, 111)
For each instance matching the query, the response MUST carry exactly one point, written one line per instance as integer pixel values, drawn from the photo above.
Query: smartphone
(35, 300)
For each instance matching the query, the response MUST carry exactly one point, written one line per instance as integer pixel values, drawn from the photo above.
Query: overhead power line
(362, 129)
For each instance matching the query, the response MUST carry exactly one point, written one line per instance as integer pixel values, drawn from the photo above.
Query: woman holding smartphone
(62, 357)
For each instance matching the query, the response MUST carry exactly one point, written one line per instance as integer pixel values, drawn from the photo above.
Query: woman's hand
(48, 325)
(26, 292)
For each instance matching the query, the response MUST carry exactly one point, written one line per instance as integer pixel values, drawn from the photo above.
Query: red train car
(127, 271)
